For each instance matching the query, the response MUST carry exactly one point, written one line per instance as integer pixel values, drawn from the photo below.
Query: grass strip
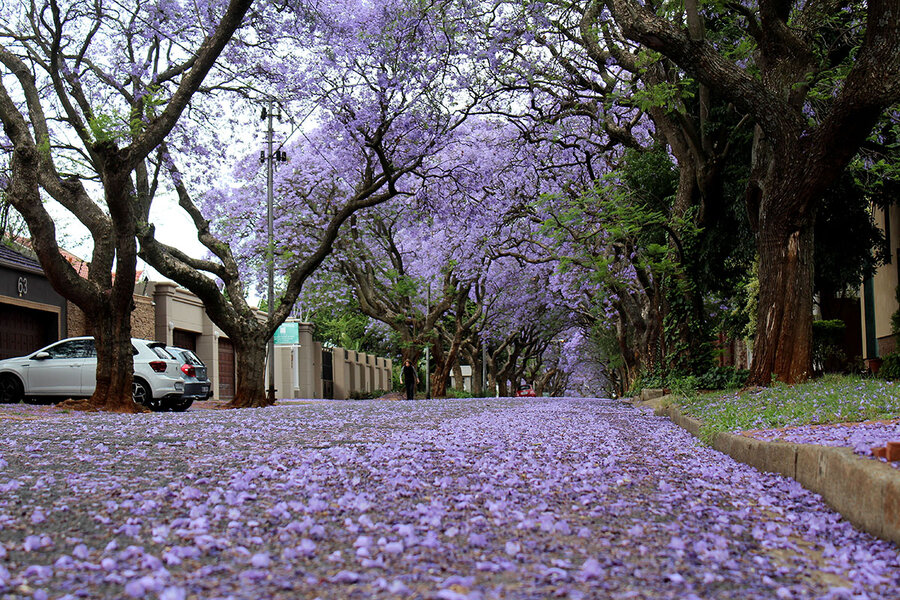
(831, 399)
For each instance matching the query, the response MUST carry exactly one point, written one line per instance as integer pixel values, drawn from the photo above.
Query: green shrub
(895, 318)
(827, 337)
(366, 395)
(686, 385)
(716, 378)
(455, 393)
(650, 380)
(890, 366)
(723, 378)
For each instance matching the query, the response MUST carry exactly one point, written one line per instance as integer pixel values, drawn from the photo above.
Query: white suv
(68, 369)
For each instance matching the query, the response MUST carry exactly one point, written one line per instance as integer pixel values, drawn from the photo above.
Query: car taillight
(188, 370)
(158, 366)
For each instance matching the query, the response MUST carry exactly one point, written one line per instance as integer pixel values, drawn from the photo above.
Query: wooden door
(226, 369)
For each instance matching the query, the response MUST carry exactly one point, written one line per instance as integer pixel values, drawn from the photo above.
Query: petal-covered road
(570, 498)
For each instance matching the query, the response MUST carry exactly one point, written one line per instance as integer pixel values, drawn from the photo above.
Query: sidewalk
(865, 491)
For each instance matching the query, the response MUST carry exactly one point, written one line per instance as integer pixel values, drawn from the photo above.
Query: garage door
(24, 330)
(185, 339)
(226, 369)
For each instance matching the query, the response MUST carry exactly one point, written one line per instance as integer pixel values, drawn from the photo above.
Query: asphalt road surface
(456, 499)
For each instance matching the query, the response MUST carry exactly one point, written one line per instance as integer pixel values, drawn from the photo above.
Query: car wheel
(181, 405)
(11, 390)
(142, 394)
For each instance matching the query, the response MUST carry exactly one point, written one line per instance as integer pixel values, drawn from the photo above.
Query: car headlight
(179, 386)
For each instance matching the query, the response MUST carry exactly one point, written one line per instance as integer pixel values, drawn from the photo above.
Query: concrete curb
(865, 491)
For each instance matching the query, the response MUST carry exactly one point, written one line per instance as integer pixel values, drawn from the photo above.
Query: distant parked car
(194, 373)
(68, 369)
(525, 391)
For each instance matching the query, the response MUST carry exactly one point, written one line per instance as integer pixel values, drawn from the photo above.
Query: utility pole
(427, 350)
(270, 248)
(483, 366)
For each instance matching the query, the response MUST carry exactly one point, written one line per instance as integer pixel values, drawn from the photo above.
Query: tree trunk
(783, 345)
(541, 382)
(250, 372)
(458, 376)
(472, 354)
(115, 365)
(411, 354)
(109, 311)
(440, 368)
(445, 367)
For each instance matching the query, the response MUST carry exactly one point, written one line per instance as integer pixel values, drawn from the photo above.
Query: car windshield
(72, 349)
(161, 352)
(190, 358)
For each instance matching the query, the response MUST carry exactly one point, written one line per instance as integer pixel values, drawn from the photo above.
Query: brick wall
(143, 320)
(76, 323)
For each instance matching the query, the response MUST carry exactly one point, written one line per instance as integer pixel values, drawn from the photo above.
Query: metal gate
(327, 373)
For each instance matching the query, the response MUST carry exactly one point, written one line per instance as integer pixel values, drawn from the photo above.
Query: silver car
(196, 378)
(68, 369)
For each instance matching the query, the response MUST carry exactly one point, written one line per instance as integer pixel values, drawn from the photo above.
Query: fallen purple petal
(491, 498)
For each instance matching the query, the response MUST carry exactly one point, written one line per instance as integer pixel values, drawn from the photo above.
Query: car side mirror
(41, 356)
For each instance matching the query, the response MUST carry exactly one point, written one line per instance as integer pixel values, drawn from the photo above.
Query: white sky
(173, 227)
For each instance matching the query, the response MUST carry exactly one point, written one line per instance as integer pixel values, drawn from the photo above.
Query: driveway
(498, 498)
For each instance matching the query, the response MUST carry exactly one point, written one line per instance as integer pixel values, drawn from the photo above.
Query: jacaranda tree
(88, 90)
(815, 81)
(381, 86)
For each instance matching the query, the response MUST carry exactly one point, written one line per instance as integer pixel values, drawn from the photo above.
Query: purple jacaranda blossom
(36, 542)
(591, 569)
(394, 547)
(38, 572)
(173, 593)
(138, 588)
(570, 453)
(261, 560)
(345, 577)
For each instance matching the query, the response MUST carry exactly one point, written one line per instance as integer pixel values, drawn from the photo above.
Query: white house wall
(298, 369)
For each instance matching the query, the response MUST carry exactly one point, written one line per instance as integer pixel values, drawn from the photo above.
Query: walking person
(410, 379)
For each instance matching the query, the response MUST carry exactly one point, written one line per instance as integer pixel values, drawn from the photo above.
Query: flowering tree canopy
(383, 90)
